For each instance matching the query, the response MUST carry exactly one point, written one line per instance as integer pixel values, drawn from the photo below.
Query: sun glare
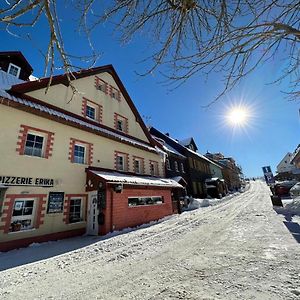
(238, 116)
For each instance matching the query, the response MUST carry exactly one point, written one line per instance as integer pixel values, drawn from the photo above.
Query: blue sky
(272, 131)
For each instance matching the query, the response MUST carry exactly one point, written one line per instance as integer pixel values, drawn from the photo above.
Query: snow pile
(293, 207)
(197, 203)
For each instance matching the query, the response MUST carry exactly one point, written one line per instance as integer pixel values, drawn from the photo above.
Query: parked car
(215, 187)
(295, 190)
(282, 189)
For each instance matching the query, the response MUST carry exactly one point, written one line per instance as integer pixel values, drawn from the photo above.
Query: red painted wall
(124, 216)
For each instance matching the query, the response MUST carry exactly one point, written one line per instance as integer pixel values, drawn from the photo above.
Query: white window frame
(176, 166)
(85, 147)
(139, 161)
(81, 210)
(10, 66)
(88, 104)
(168, 164)
(24, 217)
(153, 168)
(123, 162)
(182, 167)
(44, 136)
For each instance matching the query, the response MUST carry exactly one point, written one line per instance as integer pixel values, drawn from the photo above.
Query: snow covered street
(237, 249)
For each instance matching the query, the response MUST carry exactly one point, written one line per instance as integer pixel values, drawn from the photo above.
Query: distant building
(197, 167)
(231, 171)
(285, 164)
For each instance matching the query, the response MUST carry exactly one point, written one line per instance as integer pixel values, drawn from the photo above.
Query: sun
(238, 116)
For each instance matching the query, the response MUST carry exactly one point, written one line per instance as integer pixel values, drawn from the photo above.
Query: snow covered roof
(179, 178)
(186, 142)
(7, 80)
(115, 177)
(205, 158)
(169, 148)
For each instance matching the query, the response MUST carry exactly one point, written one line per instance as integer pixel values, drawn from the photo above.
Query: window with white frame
(182, 167)
(168, 164)
(14, 70)
(75, 212)
(137, 166)
(79, 154)
(121, 123)
(91, 111)
(23, 214)
(176, 166)
(153, 168)
(120, 162)
(34, 145)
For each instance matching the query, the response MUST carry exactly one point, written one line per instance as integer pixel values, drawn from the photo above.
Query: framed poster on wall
(55, 202)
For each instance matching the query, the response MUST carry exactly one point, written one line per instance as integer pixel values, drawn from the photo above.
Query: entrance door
(92, 222)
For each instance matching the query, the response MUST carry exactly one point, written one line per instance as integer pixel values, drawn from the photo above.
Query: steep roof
(172, 142)
(19, 55)
(187, 142)
(25, 87)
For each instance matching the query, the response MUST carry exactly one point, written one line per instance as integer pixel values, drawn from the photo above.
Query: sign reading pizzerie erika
(31, 181)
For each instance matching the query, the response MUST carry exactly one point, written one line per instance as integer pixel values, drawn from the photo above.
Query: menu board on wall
(55, 202)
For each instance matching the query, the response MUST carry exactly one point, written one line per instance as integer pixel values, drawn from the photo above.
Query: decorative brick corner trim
(9, 204)
(122, 118)
(142, 160)
(67, 206)
(99, 109)
(49, 136)
(126, 155)
(89, 150)
(83, 107)
(101, 82)
(155, 164)
(40, 212)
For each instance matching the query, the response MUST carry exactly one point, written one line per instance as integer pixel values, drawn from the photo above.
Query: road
(237, 249)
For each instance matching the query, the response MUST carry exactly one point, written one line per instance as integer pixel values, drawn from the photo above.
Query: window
(35, 142)
(79, 154)
(168, 164)
(120, 163)
(176, 166)
(121, 123)
(146, 200)
(101, 85)
(182, 168)
(90, 112)
(75, 213)
(23, 214)
(115, 94)
(34, 145)
(14, 70)
(137, 166)
(154, 168)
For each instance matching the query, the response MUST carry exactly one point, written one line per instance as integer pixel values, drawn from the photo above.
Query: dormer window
(14, 70)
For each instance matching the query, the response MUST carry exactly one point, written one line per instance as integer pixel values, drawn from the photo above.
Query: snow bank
(293, 207)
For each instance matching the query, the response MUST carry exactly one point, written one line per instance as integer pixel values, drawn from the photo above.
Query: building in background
(197, 167)
(232, 173)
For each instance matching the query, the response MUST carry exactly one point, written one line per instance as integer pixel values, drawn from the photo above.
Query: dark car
(215, 187)
(282, 189)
